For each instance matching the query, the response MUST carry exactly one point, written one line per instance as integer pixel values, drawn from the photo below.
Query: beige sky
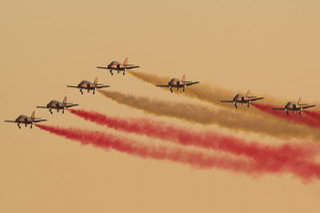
(265, 46)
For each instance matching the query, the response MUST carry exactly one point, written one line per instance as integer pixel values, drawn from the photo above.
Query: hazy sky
(266, 46)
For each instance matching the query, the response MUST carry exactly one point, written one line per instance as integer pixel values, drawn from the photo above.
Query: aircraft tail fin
(33, 115)
(248, 93)
(299, 101)
(125, 63)
(96, 81)
(183, 78)
(65, 100)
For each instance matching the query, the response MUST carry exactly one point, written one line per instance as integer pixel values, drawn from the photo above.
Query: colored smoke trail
(303, 169)
(313, 114)
(200, 91)
(221, 117)
(211, 140)
(294, 117)
(269, 158)
(129, 146)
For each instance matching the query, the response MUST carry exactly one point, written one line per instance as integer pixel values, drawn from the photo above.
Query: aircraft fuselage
(241, 99)
(55, 104)
(24, 120)
(115, 65)
(87, 85)
(292, 106)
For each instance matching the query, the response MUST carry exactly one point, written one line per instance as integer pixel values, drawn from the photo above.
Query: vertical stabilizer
(96, 81)
(33, 115)
(248, 93)
(299, 101)
(65, 100)
(125, 63)
(183, 78)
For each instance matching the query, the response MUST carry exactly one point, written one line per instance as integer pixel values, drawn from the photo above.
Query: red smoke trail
(313, 114)
(295, 117)
(106, 141)
(304, 170)
(205, 139)
(272, 159)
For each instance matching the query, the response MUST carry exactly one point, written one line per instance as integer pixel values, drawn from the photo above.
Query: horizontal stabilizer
(72, 86)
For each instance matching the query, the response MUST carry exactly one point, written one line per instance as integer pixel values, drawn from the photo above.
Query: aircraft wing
(37, 121)
(309, 106)
(43, 107)
(10, 121)
(103, 68)
(255, 99)
(191, 83)
(278, 109)
(226, 101)
(102, 86)
(162, 85)
(72, 105)
(132, 67)
(72, 86)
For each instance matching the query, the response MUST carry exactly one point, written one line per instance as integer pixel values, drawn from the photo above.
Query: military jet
(87, 85)
(23, 119)
(53, 104)
(242, 99)
(176, 83)
(119, 67)
(294, 107)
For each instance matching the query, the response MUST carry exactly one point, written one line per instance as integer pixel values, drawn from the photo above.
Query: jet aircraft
(242, 99)
(53, 104)
(294, 107)
(87, 85)
(23, 119)
(176, 83)
(118, 66)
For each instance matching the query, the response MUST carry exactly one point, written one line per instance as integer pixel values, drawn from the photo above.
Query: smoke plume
(306, 170)
(204, 139)
(131, 147)
(292, 116)
(221, 117)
